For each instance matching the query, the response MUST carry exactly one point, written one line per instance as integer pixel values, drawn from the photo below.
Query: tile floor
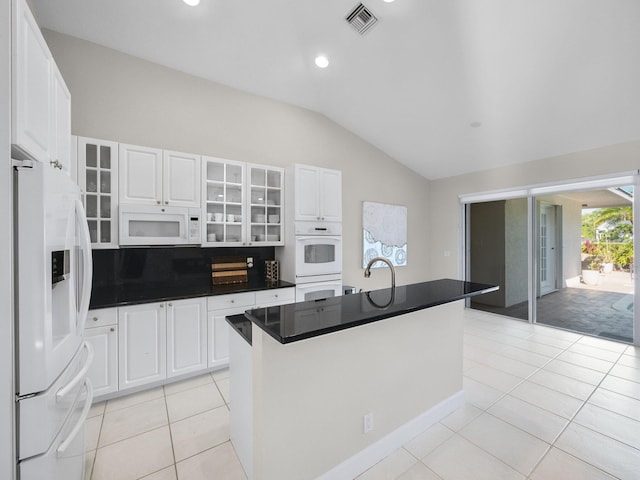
(542, 404)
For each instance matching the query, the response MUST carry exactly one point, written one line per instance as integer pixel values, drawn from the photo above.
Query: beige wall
(444, 202)
(122, 98)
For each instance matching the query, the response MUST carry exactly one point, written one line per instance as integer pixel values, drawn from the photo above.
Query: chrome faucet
(367, 271)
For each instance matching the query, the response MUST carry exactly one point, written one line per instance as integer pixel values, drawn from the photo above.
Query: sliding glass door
(563, 255)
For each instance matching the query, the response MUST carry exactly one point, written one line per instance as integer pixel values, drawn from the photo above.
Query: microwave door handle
(87, 265)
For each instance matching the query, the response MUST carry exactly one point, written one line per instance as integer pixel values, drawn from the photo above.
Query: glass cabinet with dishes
(98, 180)
(264, 199)
(223, 207)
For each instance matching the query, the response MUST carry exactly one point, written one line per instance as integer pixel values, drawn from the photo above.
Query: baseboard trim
(365, 459)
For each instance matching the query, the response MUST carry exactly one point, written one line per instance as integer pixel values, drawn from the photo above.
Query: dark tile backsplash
(168, 267)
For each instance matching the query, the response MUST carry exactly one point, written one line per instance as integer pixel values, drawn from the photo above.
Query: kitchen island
(326, 389)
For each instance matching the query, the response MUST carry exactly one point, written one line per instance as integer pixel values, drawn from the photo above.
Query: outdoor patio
(604, 310)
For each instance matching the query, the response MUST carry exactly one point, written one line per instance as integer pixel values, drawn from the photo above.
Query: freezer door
(54, 275)
(64, 460)
(41, 417)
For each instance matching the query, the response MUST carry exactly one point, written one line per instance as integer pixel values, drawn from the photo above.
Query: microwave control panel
(194, 229)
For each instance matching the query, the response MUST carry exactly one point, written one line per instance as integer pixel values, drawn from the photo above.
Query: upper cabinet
(264, 199)
(318, 194)
(223, 207)
(150, 176)
(242, 203)
(98, 180)
(41, 120)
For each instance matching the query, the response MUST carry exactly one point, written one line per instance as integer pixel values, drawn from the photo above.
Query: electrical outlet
(367, 422)
(249, 262)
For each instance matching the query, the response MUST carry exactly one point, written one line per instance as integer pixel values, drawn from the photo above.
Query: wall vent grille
(361, 19)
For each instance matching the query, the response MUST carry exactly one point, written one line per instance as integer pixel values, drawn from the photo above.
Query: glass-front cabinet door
(98, 179)
(264, 198)
(223, 195)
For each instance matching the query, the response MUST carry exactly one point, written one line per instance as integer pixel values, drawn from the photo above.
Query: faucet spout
(367, 271)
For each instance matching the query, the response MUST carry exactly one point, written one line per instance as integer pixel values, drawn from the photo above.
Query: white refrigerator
(53, 286)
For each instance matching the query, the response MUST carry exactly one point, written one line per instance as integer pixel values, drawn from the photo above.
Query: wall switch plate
(368, 422)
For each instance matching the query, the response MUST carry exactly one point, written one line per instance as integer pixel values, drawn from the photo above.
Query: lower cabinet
(143, 344)
(142, 333)
(186, 336)
(102, 333)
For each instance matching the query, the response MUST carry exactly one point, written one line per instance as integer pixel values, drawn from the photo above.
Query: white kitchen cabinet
(317, 193)
(61, 125)
(265, 196)
(142, 347)
(243, 203)
(219, 308)
(140, 175)
(224, 209)
(181, 179)
(41, 103)
(222, 306)
(150, 176)
(98, 180)
(186, 336)
(102, 333)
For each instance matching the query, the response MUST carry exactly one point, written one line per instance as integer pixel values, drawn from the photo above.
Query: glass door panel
(497, 248)
(584, 264)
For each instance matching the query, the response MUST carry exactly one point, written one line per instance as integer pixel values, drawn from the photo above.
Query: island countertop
(299, 321)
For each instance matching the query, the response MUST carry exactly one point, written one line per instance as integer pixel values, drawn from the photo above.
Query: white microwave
(317, 255)
(158, 225)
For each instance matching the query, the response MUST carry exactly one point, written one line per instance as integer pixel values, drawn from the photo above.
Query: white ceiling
(543, 77)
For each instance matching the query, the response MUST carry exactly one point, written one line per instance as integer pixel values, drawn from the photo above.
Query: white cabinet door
(31, 87)
(186, 336)
(330, 197)
(318, 194)
(265, 212)
(98, 180)
(306, 186)
(61, 126)
(103, 372)
(181, 184)
(142, 344)
(219, 336)
(140, 175)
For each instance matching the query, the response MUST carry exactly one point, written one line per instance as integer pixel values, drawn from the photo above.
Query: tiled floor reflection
(542, 404)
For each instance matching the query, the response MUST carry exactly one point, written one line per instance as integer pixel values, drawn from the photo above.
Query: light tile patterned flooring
(542, 404)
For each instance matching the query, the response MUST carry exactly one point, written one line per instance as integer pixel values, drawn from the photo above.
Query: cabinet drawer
(222, 302)
(102, 317)
(275, 297)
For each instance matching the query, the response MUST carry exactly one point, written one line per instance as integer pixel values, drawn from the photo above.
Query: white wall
(444, 207)
(6, 258)
(122, 98)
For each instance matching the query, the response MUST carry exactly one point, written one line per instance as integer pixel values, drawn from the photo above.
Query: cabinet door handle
(276, 295)
(166, 202)
(162, 305)
(233, 301)
(95, 319)
(170, 304)
(112, 329)
(158, 202)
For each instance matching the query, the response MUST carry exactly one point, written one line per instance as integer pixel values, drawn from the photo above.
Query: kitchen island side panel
(310, 396)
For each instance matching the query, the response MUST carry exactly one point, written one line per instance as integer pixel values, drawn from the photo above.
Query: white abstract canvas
(384, 233)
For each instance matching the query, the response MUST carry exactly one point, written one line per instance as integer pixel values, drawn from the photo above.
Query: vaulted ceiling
(443, 86)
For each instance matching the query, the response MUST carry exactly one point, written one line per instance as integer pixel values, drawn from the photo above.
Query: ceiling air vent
(361, 19)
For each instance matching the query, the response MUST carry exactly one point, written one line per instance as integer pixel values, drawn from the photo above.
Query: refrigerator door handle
(60, 394)
(64, 445)
(87, 265)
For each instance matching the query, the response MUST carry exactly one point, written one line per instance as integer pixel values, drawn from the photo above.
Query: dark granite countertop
(299, 321)
(120, 295)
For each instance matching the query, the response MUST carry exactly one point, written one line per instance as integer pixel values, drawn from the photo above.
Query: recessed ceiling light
(322, 61)
(193, 3)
